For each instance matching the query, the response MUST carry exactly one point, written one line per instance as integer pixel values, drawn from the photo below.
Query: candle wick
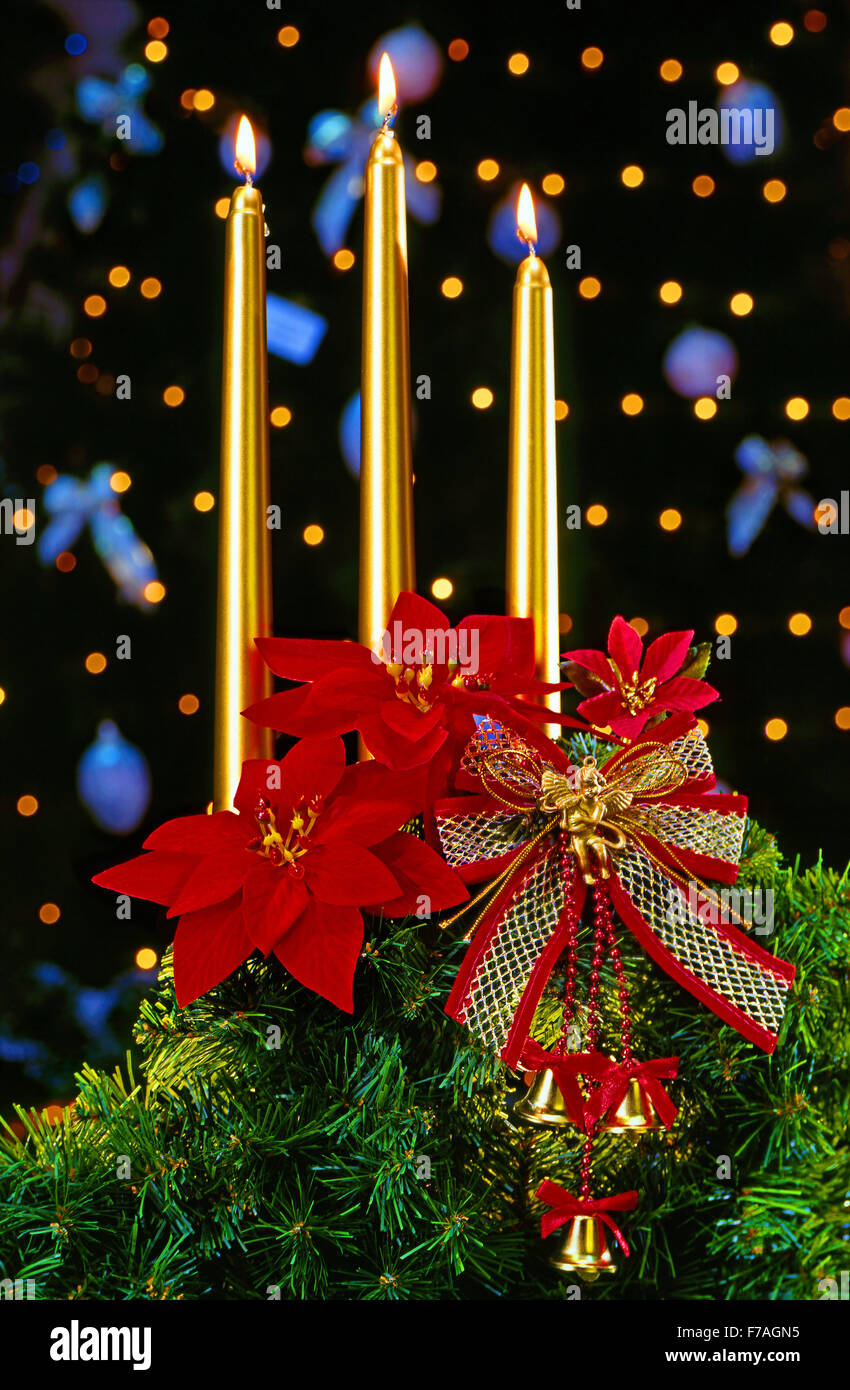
(389, 120)
(246, 173)
(531, 246)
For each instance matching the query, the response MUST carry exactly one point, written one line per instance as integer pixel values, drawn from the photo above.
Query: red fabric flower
(311, 842)
(413, 692)
(637, 687)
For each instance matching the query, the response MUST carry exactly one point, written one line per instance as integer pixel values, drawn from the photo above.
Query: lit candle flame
(386, 87)
(526, 222)
(246, 155)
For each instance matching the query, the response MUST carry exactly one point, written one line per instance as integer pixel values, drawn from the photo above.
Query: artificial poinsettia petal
(356, 689)
(408, 721)
(286, 712)
(603, 710)
(394, 751)
(272, 899)
(260, 779)
(208, 946)
(498, 644)
(685, 693)
(311, 769)
(216, 878)
(156, 877)
(625, 648)
(347, 874)
(417, 615)
(360, 822)
(665, 656)
(321, 951)
(307, 659)
(594, 661)
(197, 834)
(421, 873)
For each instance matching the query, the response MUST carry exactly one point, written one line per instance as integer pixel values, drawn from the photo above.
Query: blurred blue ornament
(417, 61)
(227, 148)
(28, 172)
(293, 332)
(102, 102)
(696, 358)
(113, 781)
(71, 504)
(771, 473)
(55, 140)
(349, 434)
(87, 203)
(750, 98)
(501, 232)
(75, 44)
(335, 138)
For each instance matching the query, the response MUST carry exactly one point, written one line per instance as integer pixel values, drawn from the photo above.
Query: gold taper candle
(386, 476)
(244, 547)
(532, 551)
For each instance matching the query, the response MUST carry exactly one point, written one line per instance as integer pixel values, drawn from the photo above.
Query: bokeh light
(670, 70)
(442, 588)
(775, 729)
(703, 185)
(451, 287)
(174, 395)
(150, 287)
(119, 276)
(482, 398)
(596, 514)
(26, 805)
(313, 535)
(203, 501)
(632, 176)
(188, 704)
(797, 408)
(631, 404)
(120, 481)
(94, 305)
(781, 33)
(592, 58)
(727, 73)
(518, 63)
(774, 191)
(457, 50)
(800, 624)
(553, 184)
(487, 169)
(49, 913)
(670, 292)
(670, 519)
(288, 36)
(705, 407)
(343, 258)
(725, 624)
(741, 303)
(95, 663)
(280, 416)
(589, 287)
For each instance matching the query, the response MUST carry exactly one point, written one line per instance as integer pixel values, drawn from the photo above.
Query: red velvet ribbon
(565, 1206)
(615, 1077)
(564, 1069)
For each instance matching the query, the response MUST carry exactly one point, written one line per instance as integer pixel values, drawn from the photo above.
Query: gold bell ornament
(543, 1103)
(582, 1249)
(635, 1114)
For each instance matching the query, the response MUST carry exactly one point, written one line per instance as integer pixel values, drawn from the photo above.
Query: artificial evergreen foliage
(261, 1144)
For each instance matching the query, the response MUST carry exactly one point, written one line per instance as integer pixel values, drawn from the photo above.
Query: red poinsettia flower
(634, 687)
(311, 843)
(423, 683)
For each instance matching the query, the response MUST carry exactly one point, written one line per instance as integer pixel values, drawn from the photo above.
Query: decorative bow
(564, 1067)
(614, 1078)
(564, 1206)
(644, 823)
(71, 503)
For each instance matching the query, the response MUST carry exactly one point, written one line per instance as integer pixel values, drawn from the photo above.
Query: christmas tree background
(72, 984)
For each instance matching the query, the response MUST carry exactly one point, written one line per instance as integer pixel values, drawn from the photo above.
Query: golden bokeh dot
(592, 58)
(815, 21)
(640, 625)
(120, 481)
(670, 519)
(841, 118)
(187, 98)
(451, 287)
(562, 410)
(487, 170)
(781, 33)
(727, 73)
(774, 190)
(95, 663)
(596, 514)
(203, 501)
(553, 184)
(188, 704)
(797, 408)
(426, 171)
(841, 407)
(670, 70)
(726, 624)
(565, 622)
(442, 587)
(313, 535)
(158, 27)
(204, 99)
(27, 805)
(280, 416)
(482, 398)
(87, 373)
(46, 474)
(704, 727)
(174, 395)
(2, 695)
(670, 292)
(825, 513)
(800, 624)
(703, 185)
(150, 287)
(518, 63)
(94, 305)
(589, 287)
(155, 51)
(146, 958)
(65, 562)
(288, 36)
(457, 50)
(631, 404)
(119, 276)
(222, 207)
(741, 303)
(154, 591)
(80, 347)
(632, 176)
(49, 913)
(344, 258)
(775, 729)
(23, 519)
(842, 717)
(705, 407)
(844, 618)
